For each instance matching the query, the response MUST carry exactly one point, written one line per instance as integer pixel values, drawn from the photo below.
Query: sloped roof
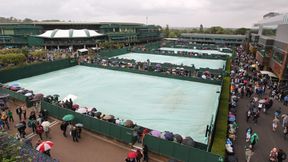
(71, 33)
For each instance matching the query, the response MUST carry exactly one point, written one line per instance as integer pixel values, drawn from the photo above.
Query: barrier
(13, 94)
(213, 57)
(179, 151)
(108, 129)
(9, 75)
(136, 71)
(113, 52)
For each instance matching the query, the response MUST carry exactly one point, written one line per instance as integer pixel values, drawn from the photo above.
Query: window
(278, 55)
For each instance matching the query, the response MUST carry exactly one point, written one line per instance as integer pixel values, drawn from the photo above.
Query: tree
(166, 31)
(201, 28)
(241, 31)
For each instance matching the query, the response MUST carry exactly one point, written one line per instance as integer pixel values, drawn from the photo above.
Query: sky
(175, 13)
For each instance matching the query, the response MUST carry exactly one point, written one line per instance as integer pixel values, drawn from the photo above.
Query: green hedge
(12, 58)
(218, 146)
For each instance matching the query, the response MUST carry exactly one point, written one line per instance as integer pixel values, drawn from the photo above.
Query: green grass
(218, 146)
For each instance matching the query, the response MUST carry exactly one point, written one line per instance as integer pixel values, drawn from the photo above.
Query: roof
(71, 33)
(73, 23)
(275, 20)
(270, 74)
(200, 35)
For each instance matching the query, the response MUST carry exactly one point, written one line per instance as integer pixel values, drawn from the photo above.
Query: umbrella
(44, 146)
(28, 94)
(81, 110)
(178, 138)
(45, 124)
(94, 109)
(98, 114)
(188, 141)
(231, 119)
(286, 98)
(262, 101)
(129, 123)
(68, 117)
(20, 91)
(169, 136)
(13, 88)
(70, 96)
(38, 97)
(132, 155)
(79, 125)
(155, 133)
(75, 106)
(108, 117)
(4, 96)
(19, 125)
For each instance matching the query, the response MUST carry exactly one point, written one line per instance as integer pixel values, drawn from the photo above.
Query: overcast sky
(175, 13)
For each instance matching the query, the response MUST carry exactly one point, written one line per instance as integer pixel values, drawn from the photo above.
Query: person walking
(74, 134)
(273, 155)
(275, 123)
(254, 139)
(39, 130)
(63, 127)
(139, 155)
(145, 153)
(19, 112)
(281, 155)
(248, 153)
(24, 111)
(10, 116)
(4, 118)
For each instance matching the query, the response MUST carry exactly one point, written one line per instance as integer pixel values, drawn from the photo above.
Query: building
(215, 39)
(19, 34)
(270, 44)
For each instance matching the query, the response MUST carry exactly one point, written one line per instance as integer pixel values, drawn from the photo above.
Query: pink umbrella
(44, 146)
(155, 133)
(132, 155)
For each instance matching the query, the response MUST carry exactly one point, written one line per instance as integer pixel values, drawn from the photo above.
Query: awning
(270, 74)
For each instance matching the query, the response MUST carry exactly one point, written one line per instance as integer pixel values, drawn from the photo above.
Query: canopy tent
(270, 74)
(71, 33)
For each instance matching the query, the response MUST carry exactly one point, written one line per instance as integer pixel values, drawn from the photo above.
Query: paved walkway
(267, 138)
(90, 148)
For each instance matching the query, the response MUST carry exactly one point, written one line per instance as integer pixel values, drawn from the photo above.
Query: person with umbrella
(74, 134)
(63, 127)
(46, 125)
(45, 147)
(21, 128)
(79, 129)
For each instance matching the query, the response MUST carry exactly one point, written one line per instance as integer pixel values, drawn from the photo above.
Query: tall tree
(166, 31)
(201, 28)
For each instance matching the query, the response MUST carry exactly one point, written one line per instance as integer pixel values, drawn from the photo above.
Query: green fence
(114, 52)
(13, 94)
(9, 75)
(108, 129)
(178, 151)
(194, 79)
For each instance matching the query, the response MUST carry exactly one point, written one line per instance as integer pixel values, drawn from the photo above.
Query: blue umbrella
(286, 98)
(169, 136)
(231, 119)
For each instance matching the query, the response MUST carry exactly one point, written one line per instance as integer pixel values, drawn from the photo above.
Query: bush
(9, 51)
(38, 53)
(12, 58)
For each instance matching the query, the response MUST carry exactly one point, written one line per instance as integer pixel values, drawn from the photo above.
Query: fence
(108, 129)
(179, 151)
(136, 71)
(9, 75)
(114, 52)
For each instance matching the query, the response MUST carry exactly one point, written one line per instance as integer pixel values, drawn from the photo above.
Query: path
(90, 148)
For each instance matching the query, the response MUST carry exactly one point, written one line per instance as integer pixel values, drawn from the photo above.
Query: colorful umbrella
(38, 97)
(128, 123)
(132, 155)
(79, 125)
(155, 133)
(82, 110)
(44, 146)
(45, 124)
(68, 117)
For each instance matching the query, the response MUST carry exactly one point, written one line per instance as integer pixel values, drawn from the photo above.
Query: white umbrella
(28, 94)
(82, 110)
(45, 124)
(70, 96)
(262, 101)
